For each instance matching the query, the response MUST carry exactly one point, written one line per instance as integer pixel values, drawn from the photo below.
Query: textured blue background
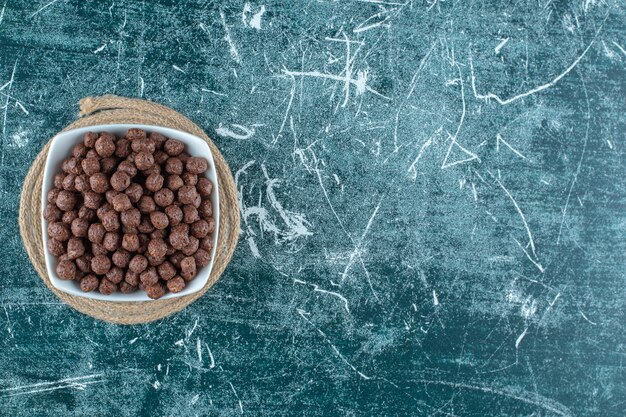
(432, 197)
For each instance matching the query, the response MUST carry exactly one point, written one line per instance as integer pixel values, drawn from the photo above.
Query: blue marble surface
(432, 195)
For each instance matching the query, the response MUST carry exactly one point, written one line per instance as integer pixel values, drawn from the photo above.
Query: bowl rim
(47, 184)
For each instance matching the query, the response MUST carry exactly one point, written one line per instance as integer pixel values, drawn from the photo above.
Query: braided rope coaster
(111, 109)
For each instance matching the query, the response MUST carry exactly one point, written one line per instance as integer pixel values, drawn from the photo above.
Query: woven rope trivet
(118, 110)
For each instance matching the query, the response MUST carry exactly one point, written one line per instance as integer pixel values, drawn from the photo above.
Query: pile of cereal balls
(130, 213)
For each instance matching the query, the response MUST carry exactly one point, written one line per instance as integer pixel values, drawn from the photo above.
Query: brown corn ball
(100, 264)
(111, 221)
(144, 160)
(189, 178)
(55, 247)
(158, 139)
(108, 165)
(115, 275)
(164, 197)
(184, 156)
(211, 223)
(155, 261)
(90, 166)
(155, 291)
(122, 148)
(204, 186)
(128, 168)
(84, 263)
(188, 268)
(176, 258)
(91, 153)
(187, 194)
(121, 258)
(146, 225)
(173, 147)
(120, 181)
(178, 240)
(174, 182)
(98, 249)
(81, 183)
(79, 227)
(146, 204)
(75, 248)
(157, 248)
(105, 146)
(69, 216)
(109, 196)
(174, 165)
(106, 287)
(126, 288)
(143, 145)
(134, 192)
(89, 283)
(160, 157)
(138, 263)
(121, 203)
(176, 284)
(130, 242)
(59, 231)
(72, 166)
(66, 270)
(149, 276)
(52, 195)
(166, 270)
(180, 228)
(86, 213)
(132, 278)
(159, 220)
(144, 239)
(207, 244)
(158, 234)
(130, 217)
(106, 207)
(64, 257)
(131, 230)
(79, 150)
(197, 201)
(89, 139)
(192, 247)
(190, 214)
(154, 182)
(154, 169)
(99, 182)
(170, 249)
(69, 182)
(135, 134)
(175, 214)
(96, 233)
(58, 180)
(197, 165)
(92, 200)
(199, 228)
(111, 241)
(66, 200)
(202, 257)
(52, 213)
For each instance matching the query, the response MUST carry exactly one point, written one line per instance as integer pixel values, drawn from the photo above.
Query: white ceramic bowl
(61, 148)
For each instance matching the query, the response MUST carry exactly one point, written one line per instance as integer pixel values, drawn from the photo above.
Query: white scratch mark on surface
(619, 47)
(255, 22)
(282, 125)
(303, 313)
(177, 68)
(131, 341)
(585, 317)
(211, 358)
(435, 298)
(246, 132)
(79, 382)
(542, 87)
(316, 288)
(156, 384)
(253, 247)
(141, 86)
(180, 342)
(194, 399)
(233, 49)
(520, 338)
(2, 12)
(43, 8)
(501, 45)
(199, 350)
(214, 92)
(237, 396)
(500, 139)
(6, 104)
(412, 169)
(100, 48)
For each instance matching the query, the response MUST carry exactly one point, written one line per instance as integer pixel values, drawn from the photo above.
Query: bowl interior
(60, 148)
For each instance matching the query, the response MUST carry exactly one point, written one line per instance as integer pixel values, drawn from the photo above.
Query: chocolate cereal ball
(106, 207)
(89, 139)
(122, 148)
(159, 220)
(92, 200)
(188, 268)
(97, 249)
(144, 160)
(79, 227)
(75, 248)
(158, 234)
(132, 278)
(110, 221)
(121, 258)
(105, 146)
(84, 263)
(166, 270)
(107, 165)
(206, 244)
(130, 242)
(121, 203)
(174, 214)
(155, 291)
(199, 228)
(99, 182)
(66, 270)
(202, 257)
(160, 157)
(69, 216)
(86, 213)
(204, 186)
(131, 217)
(136, 134)
(115, 275)
(146, 225)
(134, 192)
(190, 214)
(189, 178)
(164, 197)
(100, 264)
(106, 287)
(120, 181)
(173, 147)
(66, 200)
(197, 165)
(55, 247)
(138, 264)
(149, 276)
(174, 165)
(187, 194)
(109, 196)
(176, 284)
(89, 283)
(81, 183)
(174, 182)
(69, 182)
(52, 213)
(111, 241)
(90, 165)
(126, 288)
(143, 145)
(154, 182)
(59, 231)
(52, 195)
(192, 247)
(128, 168)
(146, 204)
(96, 233)
(79, 150)
(157, 248)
